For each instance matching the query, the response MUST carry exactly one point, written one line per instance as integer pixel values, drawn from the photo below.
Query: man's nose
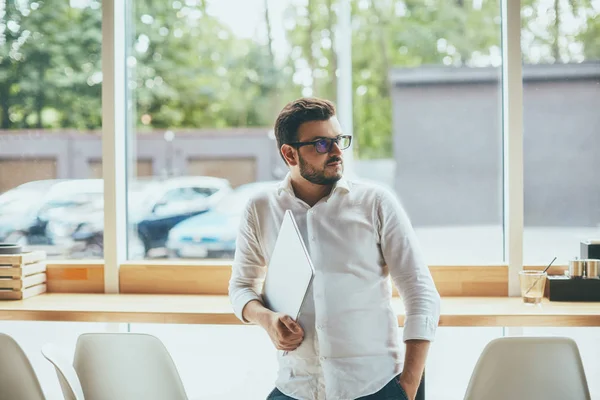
(335, 149)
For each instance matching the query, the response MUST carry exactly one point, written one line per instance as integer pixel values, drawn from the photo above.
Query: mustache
(334, 159)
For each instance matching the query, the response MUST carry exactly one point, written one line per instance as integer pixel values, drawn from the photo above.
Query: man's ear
(289, 153)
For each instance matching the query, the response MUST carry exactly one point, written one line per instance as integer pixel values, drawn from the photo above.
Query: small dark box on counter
(562, 288)
(590, 250)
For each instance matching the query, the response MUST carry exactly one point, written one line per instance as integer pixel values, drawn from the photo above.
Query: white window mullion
(512, 132)
(343, 39)
(114, 140)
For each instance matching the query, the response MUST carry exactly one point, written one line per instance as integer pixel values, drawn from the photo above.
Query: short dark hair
(298, 112)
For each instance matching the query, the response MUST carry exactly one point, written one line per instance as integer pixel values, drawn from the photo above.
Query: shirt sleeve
(408, 269)
(249, 269)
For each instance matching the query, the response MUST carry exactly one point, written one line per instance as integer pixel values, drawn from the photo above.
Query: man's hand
(409, 388)
(285, 333)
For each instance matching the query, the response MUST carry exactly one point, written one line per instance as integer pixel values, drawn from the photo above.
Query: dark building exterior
(240, 155)
(448, 144)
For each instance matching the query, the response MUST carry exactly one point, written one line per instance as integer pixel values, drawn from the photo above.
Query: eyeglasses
(325, 145)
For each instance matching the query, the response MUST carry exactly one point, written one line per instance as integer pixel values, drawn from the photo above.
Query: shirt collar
(286, 185)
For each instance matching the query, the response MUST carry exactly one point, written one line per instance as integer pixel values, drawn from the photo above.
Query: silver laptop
(290, 271)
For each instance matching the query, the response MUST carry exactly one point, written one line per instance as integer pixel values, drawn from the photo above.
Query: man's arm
(414, 365)
(249, 268)
(410, 274)
(256, 313)
(247, 277)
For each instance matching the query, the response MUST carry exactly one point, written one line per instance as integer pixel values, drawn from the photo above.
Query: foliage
(188, 69)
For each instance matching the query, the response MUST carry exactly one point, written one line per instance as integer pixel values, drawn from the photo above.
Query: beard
(320, 176)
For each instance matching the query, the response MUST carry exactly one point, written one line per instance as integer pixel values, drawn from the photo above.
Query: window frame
(114, 139)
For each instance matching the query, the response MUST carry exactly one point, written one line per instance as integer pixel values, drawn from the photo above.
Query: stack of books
(22, 275)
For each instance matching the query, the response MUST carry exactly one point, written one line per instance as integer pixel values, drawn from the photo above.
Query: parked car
(213, 234)
(16, 204)
(86, 239)
(155, 206)
(24, 219)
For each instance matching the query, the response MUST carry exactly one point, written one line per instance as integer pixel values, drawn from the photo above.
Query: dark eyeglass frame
(328, 143)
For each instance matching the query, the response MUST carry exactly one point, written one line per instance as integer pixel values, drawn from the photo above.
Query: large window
(50, 120)
(206, 84)
(561, 93)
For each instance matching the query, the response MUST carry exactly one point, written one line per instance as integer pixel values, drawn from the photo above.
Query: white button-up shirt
(357, 238)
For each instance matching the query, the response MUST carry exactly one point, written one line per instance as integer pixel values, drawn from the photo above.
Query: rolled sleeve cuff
(241, 299)
(420, 327)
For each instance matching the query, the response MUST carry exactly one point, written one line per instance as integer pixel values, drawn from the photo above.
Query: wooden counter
(201, 309)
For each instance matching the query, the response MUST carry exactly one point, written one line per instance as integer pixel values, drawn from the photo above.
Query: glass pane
(50, 121)
(561, 93)
(206, 86)
(427, 118)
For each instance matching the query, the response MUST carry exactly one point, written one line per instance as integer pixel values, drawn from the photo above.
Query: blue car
(213, 234)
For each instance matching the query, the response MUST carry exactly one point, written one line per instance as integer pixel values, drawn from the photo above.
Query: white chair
(532, 368)
(67, 376)
(17, 377)
(112, 366)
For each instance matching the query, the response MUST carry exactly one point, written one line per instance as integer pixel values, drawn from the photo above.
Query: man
(345, 342)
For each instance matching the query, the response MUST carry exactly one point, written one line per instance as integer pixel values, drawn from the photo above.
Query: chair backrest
(126, 366)
(67, 376)
(17, 377)
(533, 368)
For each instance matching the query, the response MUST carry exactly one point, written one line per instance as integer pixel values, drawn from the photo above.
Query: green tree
(591, 37)
(388, 34)
(189, 70)
(311, 35)
(50, 76)
(560, 31)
